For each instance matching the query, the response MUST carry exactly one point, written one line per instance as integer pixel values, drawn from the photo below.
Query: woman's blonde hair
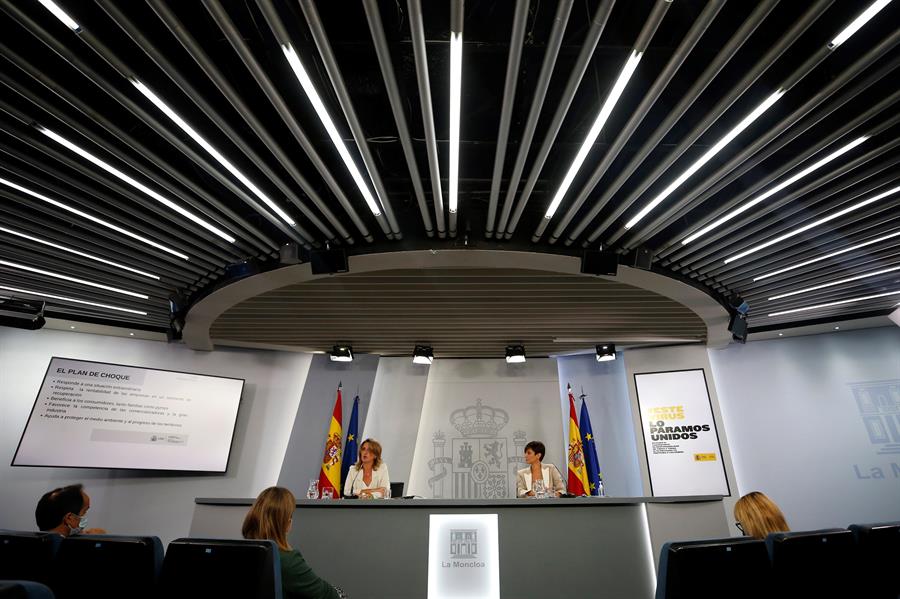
(270, 516)
(374, 447)
(759, 515)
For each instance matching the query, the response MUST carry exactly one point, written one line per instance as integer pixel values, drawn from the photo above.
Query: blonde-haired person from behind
(270, 518)
(368, 477)
(756, 516)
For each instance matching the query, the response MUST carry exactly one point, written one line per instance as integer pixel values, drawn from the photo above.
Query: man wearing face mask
(64, 511)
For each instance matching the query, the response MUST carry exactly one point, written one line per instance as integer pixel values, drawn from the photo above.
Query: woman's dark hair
(56, 504)
(537, 447)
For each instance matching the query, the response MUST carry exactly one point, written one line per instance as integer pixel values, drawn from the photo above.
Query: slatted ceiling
(461, 312)
(219, 66)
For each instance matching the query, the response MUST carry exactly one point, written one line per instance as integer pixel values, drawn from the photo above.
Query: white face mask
(82, 524)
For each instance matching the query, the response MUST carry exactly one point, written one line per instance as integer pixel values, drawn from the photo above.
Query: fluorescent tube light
(72, 279)
(838, 303)
(456, 48)
(769, 193)
(71, 299)
(60, 14)
(715, 149)
(858, 22)
(833, 283)
(815, 223)
(93, 219)
(157, 101)
(825, 257)
(77, 252)
(322, 112)
(614, 94)
(136, 184)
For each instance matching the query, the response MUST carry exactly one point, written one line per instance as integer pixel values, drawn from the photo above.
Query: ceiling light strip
(826, 256)
(858, 22)
(833, 283)
(77, 252)
(775, 189)
(614, 94)
(314, 99)
(707, 156)
(838, 303)
(71, 299)
(176, 118)
(811, 225)
(72, 279)
(136, 184)
(61, 15)
(456, 49)
(94, 219)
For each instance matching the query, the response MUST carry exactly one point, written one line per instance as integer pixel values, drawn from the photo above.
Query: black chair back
(816, 563)
(24, 589)
(879, 555)
(221, 568)
(106, 566)
(715, 568)
(396, 490)
(27, 555)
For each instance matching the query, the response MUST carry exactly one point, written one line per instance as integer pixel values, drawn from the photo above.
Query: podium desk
(548, 548)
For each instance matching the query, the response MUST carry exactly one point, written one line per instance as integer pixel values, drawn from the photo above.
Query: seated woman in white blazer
(369, 476)
(553, 482)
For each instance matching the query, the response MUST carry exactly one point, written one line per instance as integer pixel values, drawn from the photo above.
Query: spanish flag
(330, 475)
(578, 479)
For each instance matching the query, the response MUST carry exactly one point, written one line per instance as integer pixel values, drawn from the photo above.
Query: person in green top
(271, 518)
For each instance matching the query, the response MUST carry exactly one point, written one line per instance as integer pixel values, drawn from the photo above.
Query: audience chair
(879, 555)
(714, 568)
(221, 568)
(24, 589)
(27, 555)
(816, 563)
(106, 567)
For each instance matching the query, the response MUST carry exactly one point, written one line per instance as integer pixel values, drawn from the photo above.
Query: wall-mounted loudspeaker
(327, 262)
(600, 263)
(642, 258)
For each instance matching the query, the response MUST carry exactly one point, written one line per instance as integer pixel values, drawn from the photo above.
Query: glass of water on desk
(539, 490)
(313, 491)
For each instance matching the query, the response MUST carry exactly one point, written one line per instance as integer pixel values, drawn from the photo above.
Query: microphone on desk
(565, 494)
(350, 495)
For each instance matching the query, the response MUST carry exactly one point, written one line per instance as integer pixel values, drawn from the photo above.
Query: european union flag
(351, 444)
(592, 464)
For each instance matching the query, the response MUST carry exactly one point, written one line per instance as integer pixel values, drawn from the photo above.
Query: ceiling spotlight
(131, 334)
(72, 326)
(781, 334)
(837, 328)
(606, 352)
(423, 354)
(515, 354)
(341, 353)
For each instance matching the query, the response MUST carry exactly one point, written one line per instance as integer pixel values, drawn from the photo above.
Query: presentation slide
(680, 436)
(96, 415)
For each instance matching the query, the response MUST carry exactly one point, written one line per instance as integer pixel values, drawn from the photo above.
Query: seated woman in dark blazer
(271, 518)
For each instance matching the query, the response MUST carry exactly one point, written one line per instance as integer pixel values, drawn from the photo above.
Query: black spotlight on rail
(423, 354)
(738, 323)
(515, 354)
(606, 352)
(341, 353)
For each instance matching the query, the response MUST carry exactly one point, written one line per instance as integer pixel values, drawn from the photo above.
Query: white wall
(797, 432)
(131, 502)
(393, 419)
(454, 460)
